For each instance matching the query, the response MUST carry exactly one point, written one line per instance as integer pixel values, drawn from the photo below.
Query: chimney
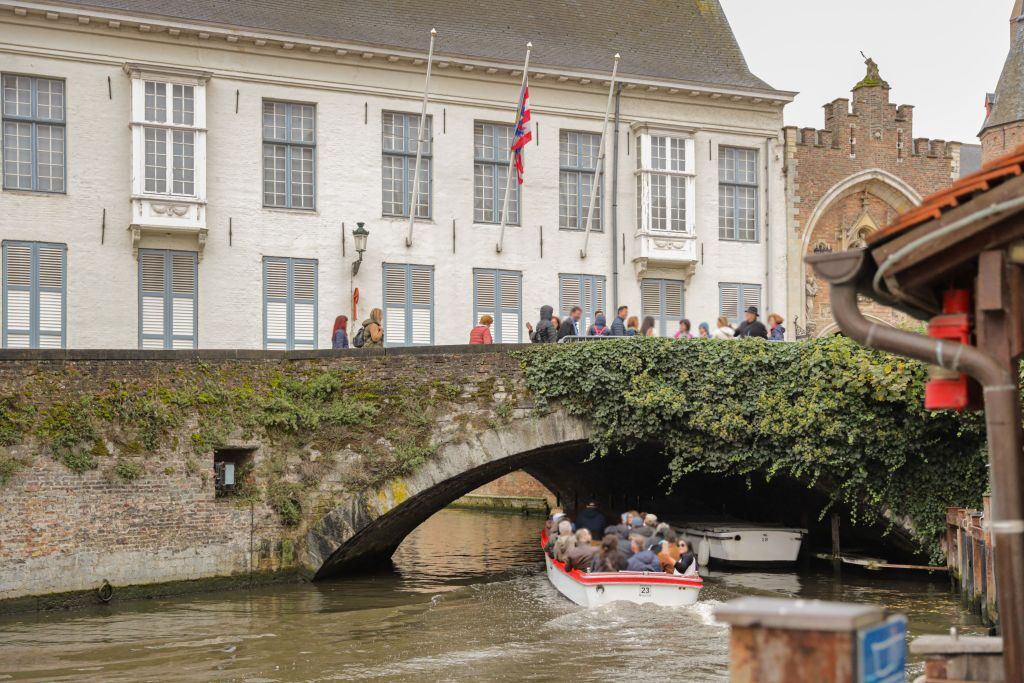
(1018, 7)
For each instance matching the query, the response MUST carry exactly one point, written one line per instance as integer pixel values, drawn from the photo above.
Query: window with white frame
(400, 140)
(168, 296)
(34, 295)
(168, 135)
(408, 304)
(499, 293)
(577, 161)
(491, 148)
(289, 155)
(737, 194)
(33, 133)
(665, 183)
(734, 298)
(289, 303)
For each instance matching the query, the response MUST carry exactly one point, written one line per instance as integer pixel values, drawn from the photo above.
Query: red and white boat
(592, 589)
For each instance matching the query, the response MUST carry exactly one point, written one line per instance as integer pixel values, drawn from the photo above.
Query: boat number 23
(764, 538)
(645, 590)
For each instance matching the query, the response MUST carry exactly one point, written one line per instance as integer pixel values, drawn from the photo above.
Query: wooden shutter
(569, 293)
(303, 304)
(34, 291)
(421, 305)
(275, 304)
(50, 295)
(182, 300)
(751, 297)
(510, 307)
(485, 297)
(395, 298)
(585, 291)
(168, 291)
(152, 285)
(650, 301)
(17, 295)
(729, 301)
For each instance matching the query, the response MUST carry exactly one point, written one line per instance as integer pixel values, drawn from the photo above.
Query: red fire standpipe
(951, 389)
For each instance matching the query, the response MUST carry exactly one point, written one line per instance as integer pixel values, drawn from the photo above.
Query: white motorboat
(592, 589)
(743, 544)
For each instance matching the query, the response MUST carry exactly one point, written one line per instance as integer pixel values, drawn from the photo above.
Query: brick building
(849, 179)
(1003, 130)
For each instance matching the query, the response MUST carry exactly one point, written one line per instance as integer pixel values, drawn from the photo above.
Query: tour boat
(593, 589)
(743, 544)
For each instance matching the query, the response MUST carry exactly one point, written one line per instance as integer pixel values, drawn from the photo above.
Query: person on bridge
(751, 326)
(481, 334)
(619, 324)
(583, 554)
(591, 519)
(339, 335)
(703, 331)
(373, 330)
(609, 559)
(647, 328)
(632, 326)
(546, 333)
(599, 328)
(570, 327)
(644, 560)
(777, 331)
(684, 330)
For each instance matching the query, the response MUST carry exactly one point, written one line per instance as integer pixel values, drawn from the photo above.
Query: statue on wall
(872, 77)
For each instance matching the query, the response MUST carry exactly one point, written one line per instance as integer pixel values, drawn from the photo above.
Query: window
(289, 155)
(408, 304)
(734, 299)
(737, 194)
(665, 184)
(500, 294)
(585, 291)
(35, 296)
(33, 117)
(663, 299)
(168, 294)
(491, 147)
(289, 303)
(169, 149)
(577, 165)
(400, 141)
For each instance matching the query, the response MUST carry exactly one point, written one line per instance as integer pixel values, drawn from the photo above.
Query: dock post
(836, 549)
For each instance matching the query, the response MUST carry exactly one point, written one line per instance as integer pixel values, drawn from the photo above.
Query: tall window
(577, 165)
(33, 117)
(35, 295)
(491, 147)
(735, 298)
(663, 299)
(169, 163)
(168, 293)
(585, 291)
(665, 183)
(737, 194)
(500, 294)
(408, 304)
(289, 303)
(401, 134)
(289, 155)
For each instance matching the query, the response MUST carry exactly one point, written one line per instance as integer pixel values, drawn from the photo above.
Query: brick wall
(1001, 140)
(517, 483)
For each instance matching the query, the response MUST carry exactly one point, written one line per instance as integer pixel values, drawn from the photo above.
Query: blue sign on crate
(882, 652)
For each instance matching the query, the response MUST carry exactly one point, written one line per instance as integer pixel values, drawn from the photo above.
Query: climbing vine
(824, 411)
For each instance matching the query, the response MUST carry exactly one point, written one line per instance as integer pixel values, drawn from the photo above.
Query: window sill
(580, 230)
(35, 193)
(189, 199)
(293, 212)
(494, 225)
(404, 220)
(739, 241)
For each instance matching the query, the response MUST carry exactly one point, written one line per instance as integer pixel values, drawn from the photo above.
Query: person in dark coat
(583, 554)
(545, 332)
(570, 327)
(638, 527)
(645, 560)
(751, 326)
(618, 328)
(599, 328)
(610, 559)
(590, 518)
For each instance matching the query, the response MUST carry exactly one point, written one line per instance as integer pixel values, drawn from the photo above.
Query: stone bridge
(107, 469)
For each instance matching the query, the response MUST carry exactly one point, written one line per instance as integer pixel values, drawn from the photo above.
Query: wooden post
(836, 549)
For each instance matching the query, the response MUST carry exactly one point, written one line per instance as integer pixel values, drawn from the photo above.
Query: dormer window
(665, 183)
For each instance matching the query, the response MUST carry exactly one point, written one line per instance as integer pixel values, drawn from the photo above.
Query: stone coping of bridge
(248, 354)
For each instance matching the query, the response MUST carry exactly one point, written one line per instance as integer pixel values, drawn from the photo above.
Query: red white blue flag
(524, 132)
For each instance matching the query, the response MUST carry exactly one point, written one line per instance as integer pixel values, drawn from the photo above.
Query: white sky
(941, 56)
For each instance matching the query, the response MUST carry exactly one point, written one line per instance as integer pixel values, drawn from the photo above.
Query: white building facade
(193, 181)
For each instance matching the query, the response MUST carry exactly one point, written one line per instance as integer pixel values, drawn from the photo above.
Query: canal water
(467, 600)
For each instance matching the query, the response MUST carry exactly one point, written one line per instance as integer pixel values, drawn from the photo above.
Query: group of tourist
(550, 328)
(638, 543)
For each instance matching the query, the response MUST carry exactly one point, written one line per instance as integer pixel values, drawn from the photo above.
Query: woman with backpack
(599, 328)
(372, 331)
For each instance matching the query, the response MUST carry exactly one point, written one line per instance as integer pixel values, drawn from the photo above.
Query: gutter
(615, 201)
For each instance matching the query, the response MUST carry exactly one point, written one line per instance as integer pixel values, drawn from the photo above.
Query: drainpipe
(615, 203)
(767, 303)
(1002, 420)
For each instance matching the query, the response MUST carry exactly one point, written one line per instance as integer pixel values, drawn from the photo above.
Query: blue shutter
(499, 293)
(289, 303)
(168, 299)
(585, 291)
(734, 298)
(408, 304)
(35, 295)
(663, 299)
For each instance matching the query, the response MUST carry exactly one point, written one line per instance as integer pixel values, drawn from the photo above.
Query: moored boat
(593, 589)
(743, 544)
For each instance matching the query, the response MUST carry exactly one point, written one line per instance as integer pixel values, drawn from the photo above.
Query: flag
(524, 132)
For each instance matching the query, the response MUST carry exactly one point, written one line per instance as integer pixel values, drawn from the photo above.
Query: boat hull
(748, 546)
(594, 589)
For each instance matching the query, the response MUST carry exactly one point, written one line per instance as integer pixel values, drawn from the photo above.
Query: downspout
(1002, 420)
(615, 204)
(767, 304)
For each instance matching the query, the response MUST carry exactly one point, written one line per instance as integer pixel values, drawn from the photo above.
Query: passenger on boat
(659, 534)
(646, 526)
(669, 554)
(590, 518)
(621, 529)
(609, 559)
(645, 560)
(583, 554)
(687, 562)
(565, 541)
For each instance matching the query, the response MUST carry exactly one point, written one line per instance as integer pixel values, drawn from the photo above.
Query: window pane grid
(289, 155)
(33, 134)
(737, 194)
(578, 155)
(399, 142)
(183, 104)
(491, 143)
(156, 159)
(183, 181)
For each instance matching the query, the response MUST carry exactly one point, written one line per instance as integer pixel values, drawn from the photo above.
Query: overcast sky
(941, 56)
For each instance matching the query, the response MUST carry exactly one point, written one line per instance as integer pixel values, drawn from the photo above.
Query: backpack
(359, 339)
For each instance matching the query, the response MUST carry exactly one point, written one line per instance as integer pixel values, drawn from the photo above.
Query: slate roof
(1008, 106)
(688, 41)
(970, 159)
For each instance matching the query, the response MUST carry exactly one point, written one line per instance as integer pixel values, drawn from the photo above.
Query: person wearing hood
(339, 335)
(373, 330)
(703, 331)
(590, 518)
(599, 328)
(545, 332)
(778, 332)
(645, 560)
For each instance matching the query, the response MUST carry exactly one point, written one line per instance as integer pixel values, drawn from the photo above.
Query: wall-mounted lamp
(359, 236)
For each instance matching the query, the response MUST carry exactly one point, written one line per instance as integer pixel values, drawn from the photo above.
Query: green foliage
(9, 466)
(129, 470)
(825, 411)
(15, 420)
(66, 428)
(286, 499)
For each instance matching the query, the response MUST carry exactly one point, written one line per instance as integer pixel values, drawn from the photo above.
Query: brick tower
(851, 178)
(1004, 122)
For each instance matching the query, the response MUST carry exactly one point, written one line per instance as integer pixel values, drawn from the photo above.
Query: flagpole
(419, 145)
(599, 170)
(511, 156)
